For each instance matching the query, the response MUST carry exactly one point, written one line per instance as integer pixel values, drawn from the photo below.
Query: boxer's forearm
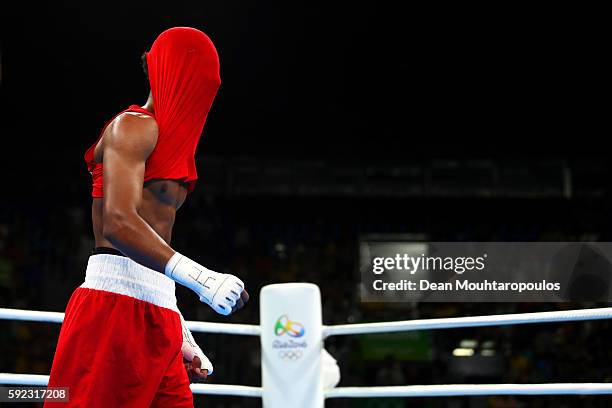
(131, 235)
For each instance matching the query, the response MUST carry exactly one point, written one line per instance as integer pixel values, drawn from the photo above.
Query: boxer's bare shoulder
(131, 130)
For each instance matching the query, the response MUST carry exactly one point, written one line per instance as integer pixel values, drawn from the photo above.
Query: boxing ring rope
(470, 321)
(459, 390)
(208, 389)
(290, 299)
(194, 326)
(362, 328)
(449, 390)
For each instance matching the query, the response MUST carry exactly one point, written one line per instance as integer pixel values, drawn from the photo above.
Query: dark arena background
(333, 121)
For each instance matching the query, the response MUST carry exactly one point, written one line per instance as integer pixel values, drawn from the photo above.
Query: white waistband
(119, 274)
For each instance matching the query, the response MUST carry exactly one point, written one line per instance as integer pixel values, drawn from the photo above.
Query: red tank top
(183, 68)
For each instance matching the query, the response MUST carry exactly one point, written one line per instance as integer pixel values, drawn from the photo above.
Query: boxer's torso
(160, 201)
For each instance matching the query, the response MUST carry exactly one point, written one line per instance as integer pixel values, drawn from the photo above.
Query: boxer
(123, 342)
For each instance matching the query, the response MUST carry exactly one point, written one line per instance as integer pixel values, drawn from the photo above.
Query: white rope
(201, 327)
(31, 315)
(23, 379)
(209, 389)
(223, 389)
(363, 328)
(453, 390)
(448, 390)
(474, 321)
(227, 328)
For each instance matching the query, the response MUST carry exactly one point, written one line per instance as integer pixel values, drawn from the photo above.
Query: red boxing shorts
(120, 343)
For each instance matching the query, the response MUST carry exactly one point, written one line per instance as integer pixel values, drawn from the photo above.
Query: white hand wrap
(191, 349)
(218, 290)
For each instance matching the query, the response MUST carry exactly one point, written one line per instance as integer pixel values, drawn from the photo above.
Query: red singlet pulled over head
(183, 69)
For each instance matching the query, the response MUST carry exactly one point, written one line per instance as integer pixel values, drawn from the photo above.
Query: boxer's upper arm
(126, 147)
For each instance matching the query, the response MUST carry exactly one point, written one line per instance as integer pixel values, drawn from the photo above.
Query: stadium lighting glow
(463, 352)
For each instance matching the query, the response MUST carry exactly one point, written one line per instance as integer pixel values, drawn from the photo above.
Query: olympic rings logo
(285, 325)
(291, 355)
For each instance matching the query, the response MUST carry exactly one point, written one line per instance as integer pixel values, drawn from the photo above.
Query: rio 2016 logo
(286, 326)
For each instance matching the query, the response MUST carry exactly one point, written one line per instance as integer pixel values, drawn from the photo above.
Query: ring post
(291, 342)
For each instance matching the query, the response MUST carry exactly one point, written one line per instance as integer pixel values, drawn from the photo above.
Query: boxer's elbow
(117, 226)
